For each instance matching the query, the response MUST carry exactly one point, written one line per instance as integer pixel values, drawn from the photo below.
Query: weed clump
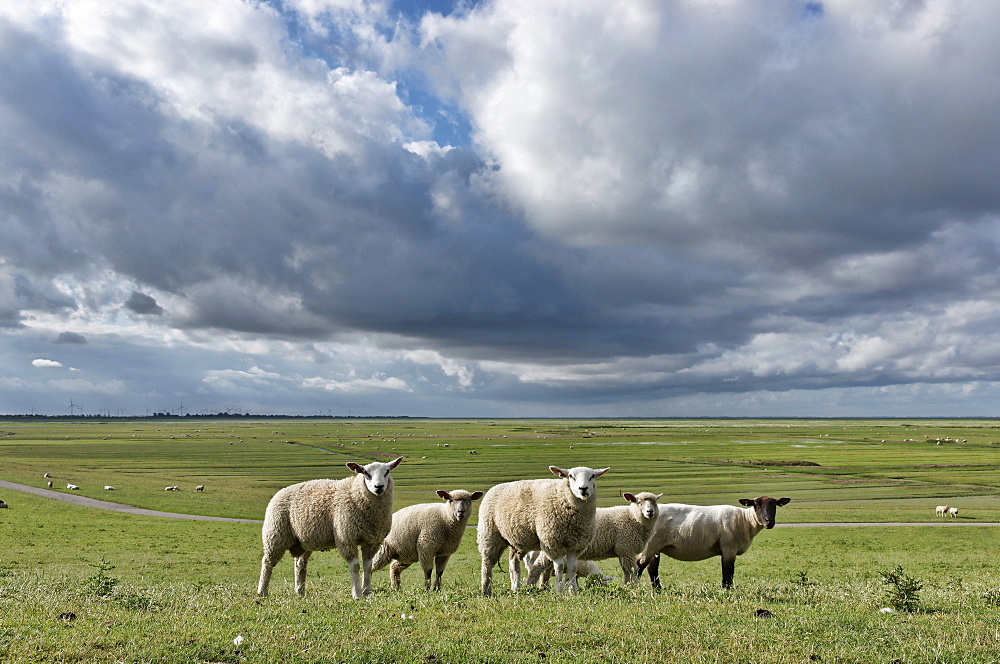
(903, 590)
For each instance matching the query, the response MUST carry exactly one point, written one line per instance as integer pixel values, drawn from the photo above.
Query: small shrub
(100, 583)
(903, 590)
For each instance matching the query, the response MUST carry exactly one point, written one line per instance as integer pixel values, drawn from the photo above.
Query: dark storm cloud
(143, 304)
(71, 338)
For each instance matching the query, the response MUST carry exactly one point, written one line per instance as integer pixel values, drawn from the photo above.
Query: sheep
(108, 487)
(584, 568)
(691, 532)
(47, 475)
(322, 514)
(953, 511)
(553, 515)
(50, 484)
(941, 510)
(175, 487)
(427, 533)
(3, 505)
(200, 487)
(619, 532)
(72, 487)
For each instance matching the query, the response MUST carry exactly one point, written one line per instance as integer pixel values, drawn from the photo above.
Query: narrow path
(129, 509)
(113, 507)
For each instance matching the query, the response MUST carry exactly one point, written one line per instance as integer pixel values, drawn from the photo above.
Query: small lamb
(428, 533)
(692, 532)
(323, 514)
(555, 516)
(953, 512)
(619, 532)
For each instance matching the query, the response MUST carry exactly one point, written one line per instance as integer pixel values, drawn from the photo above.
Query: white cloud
(45, 363)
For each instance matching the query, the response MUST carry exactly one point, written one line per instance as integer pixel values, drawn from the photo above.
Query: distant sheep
(322, 514)
(200, 487)
(953, 512)
(691, 532)
(72, 487)
(941, 510)
(555, 516)
(428, 533)
(172, 488)
(619, 532)
(108, 487)
(50, 484)
(47, 475)
(3, 505)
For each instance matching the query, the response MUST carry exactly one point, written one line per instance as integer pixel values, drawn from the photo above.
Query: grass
(144, 589)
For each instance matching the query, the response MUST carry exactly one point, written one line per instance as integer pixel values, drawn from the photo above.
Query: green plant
(903, 589)
(100, 583)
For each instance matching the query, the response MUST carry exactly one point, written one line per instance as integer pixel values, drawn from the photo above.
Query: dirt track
(128, 509)
(113, 507)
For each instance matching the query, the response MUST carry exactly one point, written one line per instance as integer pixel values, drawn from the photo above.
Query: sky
(503, 208)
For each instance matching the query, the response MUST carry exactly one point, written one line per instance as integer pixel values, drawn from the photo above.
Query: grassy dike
(144, 589)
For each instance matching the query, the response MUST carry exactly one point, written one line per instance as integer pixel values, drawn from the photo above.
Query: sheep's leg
(440, 562)
(572, 584)
(367, 553)
(515, 570)
(536, 570)
(301, 562)
(489, 559)
(654, 571)
(395, 570)
(267, 564)
(629, 574)
(426, 561)
(728, 569)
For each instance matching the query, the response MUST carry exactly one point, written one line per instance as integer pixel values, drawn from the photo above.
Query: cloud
(45, 364)
(143, 304)
(70, 338)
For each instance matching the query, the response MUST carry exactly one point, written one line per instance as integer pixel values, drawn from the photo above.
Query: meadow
(145, 589)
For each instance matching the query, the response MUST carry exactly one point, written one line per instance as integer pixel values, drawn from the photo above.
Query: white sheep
(428, 533)
(584, 568)
(619, 532)
(941, 510)
(692, 532)
(953, 511)
(72, 487)
(50, 484)
(322, 514)
(552, 515)
(108, 487)
(200, 487)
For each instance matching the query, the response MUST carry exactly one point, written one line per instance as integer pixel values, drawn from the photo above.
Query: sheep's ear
(784, 501)
(747, 502)
(395, 463)
(598, 473)
(357, 467)
(476, 495)
(659, 495)
(629, 497)
(443, 494)
(558, 471)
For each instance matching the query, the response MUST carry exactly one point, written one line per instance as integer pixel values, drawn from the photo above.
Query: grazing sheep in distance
(108, 487)
(172, 488)
(3, 505)
(619, 532)
(47, 475)
(72, 487)
(200, 487)
(428, 533)
(941, 510)
(953, 511)
(322, 514)
(50, 484)
(555, 516)
(692, 532)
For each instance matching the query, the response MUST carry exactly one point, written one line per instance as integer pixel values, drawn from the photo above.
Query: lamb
(322, 514)
(691, 532)
(427, 533)
(941, 510)
(584, 568)
(953, 511)
(619, 532)
(553, 515)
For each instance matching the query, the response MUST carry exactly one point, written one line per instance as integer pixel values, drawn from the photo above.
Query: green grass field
(146, 589)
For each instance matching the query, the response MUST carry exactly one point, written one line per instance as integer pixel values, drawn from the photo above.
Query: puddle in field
(629, 442)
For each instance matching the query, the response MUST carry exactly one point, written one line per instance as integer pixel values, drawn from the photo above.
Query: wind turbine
(72, 406)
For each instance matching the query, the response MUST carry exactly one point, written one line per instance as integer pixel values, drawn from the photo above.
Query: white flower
(238, 640)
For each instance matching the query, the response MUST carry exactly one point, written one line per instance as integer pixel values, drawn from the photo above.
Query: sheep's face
(376, 474)
(581, 480)
(765, 508)
(646, 503)
(460, 502)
